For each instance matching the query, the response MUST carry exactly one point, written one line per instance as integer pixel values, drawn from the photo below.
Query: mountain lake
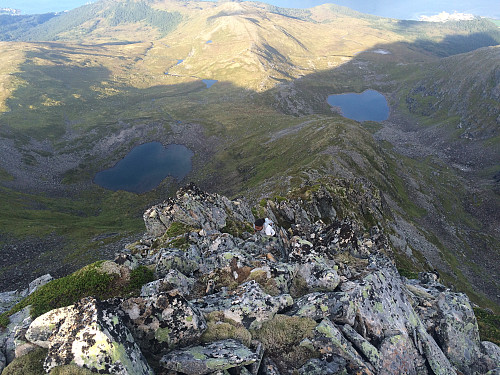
(209, 82)
(370, 105)
(145, 166)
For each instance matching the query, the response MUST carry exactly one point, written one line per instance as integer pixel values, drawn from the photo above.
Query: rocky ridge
(321, 297)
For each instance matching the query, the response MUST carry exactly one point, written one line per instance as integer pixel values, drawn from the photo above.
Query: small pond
(370, 105)
(145, 166)
(209, 82)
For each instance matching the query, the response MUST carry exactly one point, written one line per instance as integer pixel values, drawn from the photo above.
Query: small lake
(145, 166)
(370, 105)
(209, 82)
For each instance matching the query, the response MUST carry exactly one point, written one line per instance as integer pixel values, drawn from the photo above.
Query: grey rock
(491, 350)
(457, 332)
(172, 280)
(398, 356)
(35, 284)
(319, 276)
(162, 322)
(197, 209)
(13, 336)
(91, 335)
(176, 259)
(329, 341)
(337, 366)
(3, 361)
(206, 359)
(333, 305)
(491, 356)
(362, 345)
(248, 304)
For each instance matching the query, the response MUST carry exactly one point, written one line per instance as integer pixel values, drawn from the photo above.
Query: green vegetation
(489, 325)
(70, 370)
(138, 277)
(77, 22)
(92, 280)
(236, 228)
(281, 337)
(132, 12)
(177, 229)
(29, 364)
(221, 328)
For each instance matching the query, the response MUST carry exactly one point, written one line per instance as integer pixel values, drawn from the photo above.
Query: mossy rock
(101, 279)
(221, 328)
(70, 370)
(281, 337)
(29, 364)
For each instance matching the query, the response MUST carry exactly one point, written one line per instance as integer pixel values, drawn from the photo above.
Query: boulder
(42, 280)
(398, 357)
(457, 332)
(209, 358)
(333, 305)
(162, 322)
(89, 334)
(13, 337)
(172, 280)
(179, 260)
(336, 366)
(362, 345)
(196, 209)
(319, 276)
(330, 342)
(248, 304)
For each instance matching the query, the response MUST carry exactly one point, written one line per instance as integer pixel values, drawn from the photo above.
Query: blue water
(209, 82)
(208, 42)
(370, 105)
(145, 166)
(179, 61)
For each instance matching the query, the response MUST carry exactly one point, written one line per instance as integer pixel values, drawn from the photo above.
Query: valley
(77, 99)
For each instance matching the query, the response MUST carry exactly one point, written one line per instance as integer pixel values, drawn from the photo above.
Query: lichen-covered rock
(362, 345)
(163, 322)
(91, 335)
(457, 332)
(333, 305)
(319, 276)
(169, 259)
(336, 366)
(397, 357)
(330, 342)
(491, 350)
(209, 358)
(13, 337)
(43, 327)
(197, 209)
(172, 280)
(248, 304)
(38, 282)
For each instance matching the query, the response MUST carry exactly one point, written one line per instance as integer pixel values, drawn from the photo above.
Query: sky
(403, 9)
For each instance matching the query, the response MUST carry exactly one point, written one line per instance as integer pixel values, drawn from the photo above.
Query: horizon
(384, 8)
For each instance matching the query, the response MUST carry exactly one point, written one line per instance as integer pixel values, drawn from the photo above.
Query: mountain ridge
(78, 106)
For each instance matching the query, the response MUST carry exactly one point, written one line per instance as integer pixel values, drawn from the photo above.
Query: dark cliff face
(322, 296)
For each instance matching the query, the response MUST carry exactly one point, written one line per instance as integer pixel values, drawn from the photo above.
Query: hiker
(264, 226)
